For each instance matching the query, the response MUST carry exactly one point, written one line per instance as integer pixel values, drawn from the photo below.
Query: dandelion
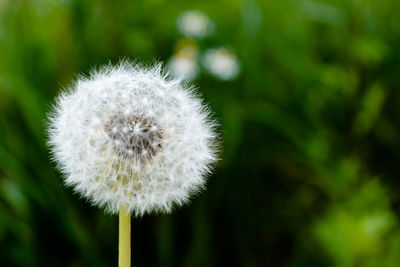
(184, 63)
(133, 141)
(195, 24)
(221, 63)
(182, 66)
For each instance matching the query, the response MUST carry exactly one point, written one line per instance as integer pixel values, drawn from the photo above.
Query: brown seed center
(134, 135)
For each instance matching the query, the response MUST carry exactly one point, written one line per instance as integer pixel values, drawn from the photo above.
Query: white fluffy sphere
(129, 136)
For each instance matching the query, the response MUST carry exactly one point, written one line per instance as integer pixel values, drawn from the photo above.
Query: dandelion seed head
(194, 23)
(221, 63)
(183, 64)
(130, 136)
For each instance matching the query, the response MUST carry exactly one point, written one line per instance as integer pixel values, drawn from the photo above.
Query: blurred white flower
(128, 136)
(194, 23)
(221, 63)
(184, 63)
(183, 67)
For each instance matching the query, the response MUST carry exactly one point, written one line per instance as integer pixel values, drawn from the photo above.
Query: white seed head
(130, 136)
(195, 24)
(183, 66)
(221, 63)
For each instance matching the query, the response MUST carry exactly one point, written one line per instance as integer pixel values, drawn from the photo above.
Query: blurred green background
(307, 95)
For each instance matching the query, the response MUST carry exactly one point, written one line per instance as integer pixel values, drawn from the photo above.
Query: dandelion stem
(124, 256)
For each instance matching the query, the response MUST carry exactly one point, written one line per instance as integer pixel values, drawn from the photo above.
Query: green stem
(124, 255)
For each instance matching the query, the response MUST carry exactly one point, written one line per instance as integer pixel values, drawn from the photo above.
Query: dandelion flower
(221, 63)
(184, 63)
(131, 137)
(181, 66)
(195, 24)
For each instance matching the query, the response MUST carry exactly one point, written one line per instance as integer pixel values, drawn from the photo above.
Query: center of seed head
(134, 135)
